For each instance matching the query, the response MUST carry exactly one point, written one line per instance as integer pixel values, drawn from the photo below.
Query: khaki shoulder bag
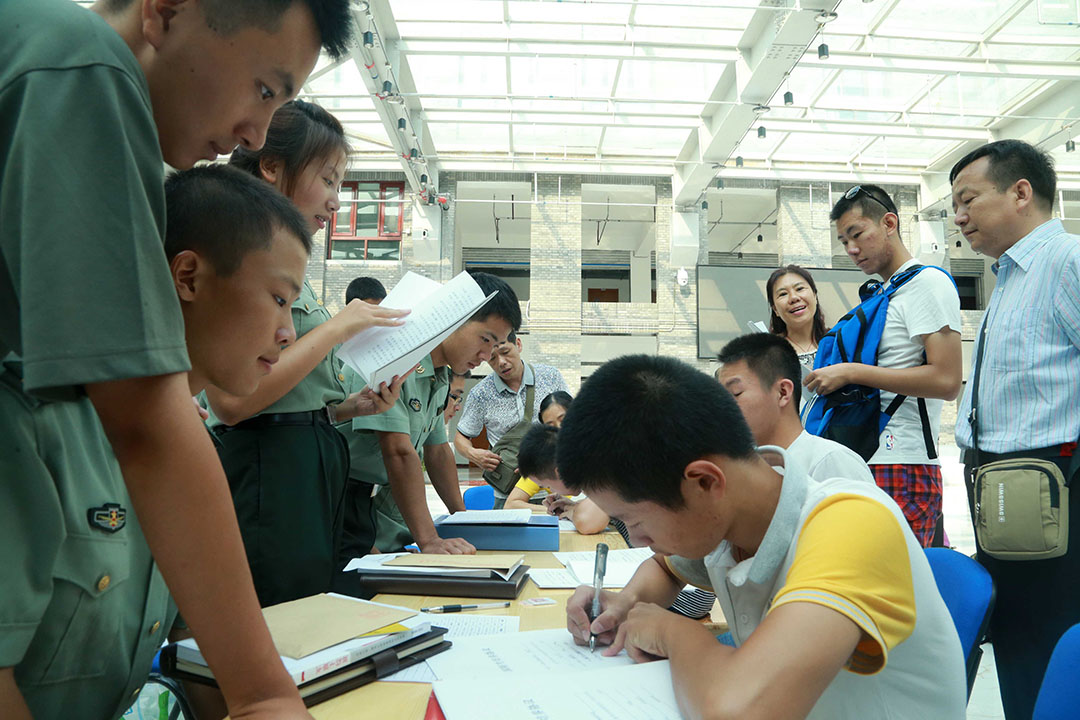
(1021, 499)
(505, 477)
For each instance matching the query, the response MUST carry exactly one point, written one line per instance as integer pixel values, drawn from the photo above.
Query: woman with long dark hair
(796, 315)
(286, 463)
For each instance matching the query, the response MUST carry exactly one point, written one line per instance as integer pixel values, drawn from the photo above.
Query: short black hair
(224, 214)
(536, 453)
(770, 357)
(560, 397)
(1013, 160)
(299, 134)
(873, 203)
(333, 18)
(365, 288)
(665, 413)
(504, 304)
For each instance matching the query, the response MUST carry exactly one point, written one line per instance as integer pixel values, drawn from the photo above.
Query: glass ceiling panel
(805, 82)
(452, 137)
(904, 150)
(440, 9)
(656, 14)
(1027, 24)
(366, 136)
(829, 147)
(449, 74)
(854, 17)
(569, 12)
(659, 80)
(972, 94)
(555, 140)
(1031, 51)
(344, 79)
(755, 147)
(871, 90)
(917, 15)
(643, 141)
(923, 48)
(575, 77)
(443, 103)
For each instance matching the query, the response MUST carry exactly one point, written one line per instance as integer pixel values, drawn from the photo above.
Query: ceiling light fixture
(825, 17)
(760, 238)
(761, 132)
(1070, 145)
(704, 204)
(760, 109)
(739, 161)
(789, 99)
(823, 51)
(401, 124)
(369, 39)
(719, 183)
(944, 214)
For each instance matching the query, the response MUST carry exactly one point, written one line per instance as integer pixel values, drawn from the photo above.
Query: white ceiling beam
(392, 64)
(770, 48)
(874, 129)
(565, 48)
(931, 65)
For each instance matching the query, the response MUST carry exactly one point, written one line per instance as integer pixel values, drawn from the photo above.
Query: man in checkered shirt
(498, 403)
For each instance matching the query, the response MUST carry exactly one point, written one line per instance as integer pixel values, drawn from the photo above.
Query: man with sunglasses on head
(919, 356)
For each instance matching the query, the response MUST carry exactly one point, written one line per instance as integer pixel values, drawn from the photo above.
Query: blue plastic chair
(968, 591)
(481, 497)
(1059, 696)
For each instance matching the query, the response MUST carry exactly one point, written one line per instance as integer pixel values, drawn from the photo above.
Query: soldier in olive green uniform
(289, 535)
(83, 607)
(372, 516)
(285, 462)
(385, 450)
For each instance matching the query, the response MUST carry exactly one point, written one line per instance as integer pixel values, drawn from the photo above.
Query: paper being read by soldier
(379, 354)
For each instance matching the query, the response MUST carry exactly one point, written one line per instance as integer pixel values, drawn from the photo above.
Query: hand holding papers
(380, 353)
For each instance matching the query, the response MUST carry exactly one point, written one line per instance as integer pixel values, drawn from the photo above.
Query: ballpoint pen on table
(459, 608)
(599, 568)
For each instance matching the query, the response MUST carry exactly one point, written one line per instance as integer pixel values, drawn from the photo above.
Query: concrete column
(555, 282)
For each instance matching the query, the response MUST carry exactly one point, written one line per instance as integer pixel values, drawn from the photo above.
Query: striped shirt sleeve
(852, 557)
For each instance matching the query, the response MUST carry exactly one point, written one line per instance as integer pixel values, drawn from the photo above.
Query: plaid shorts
(917, 490)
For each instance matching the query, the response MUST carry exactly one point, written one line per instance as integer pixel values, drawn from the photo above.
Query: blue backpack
(852, 415)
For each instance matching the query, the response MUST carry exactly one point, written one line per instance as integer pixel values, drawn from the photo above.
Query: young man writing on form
(831, 602)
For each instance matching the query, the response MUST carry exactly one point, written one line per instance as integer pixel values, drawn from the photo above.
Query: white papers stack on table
(480, 565)
(457, 627)
(621, 566)
(380, 353)
(539, 675)
(486, 517)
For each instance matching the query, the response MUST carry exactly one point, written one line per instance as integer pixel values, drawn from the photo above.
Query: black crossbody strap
(973, 416)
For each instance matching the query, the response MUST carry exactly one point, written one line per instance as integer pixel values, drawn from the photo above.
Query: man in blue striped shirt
(1029, 385)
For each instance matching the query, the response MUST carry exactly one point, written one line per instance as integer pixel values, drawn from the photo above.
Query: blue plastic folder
(541, 533)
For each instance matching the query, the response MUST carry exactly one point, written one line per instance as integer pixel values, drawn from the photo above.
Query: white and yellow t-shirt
(843, 543)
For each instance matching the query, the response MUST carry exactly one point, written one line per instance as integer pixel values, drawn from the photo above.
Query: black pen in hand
(599, 568)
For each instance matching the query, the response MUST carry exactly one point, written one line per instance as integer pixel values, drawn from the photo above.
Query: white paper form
(557, 579)
(457, 626)
(628, 555)
(486, 517)
(633, 692)
(621, 565)
(380, 353)
(532, 653)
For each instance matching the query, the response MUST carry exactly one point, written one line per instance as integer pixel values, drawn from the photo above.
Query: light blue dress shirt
(1029, 387)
